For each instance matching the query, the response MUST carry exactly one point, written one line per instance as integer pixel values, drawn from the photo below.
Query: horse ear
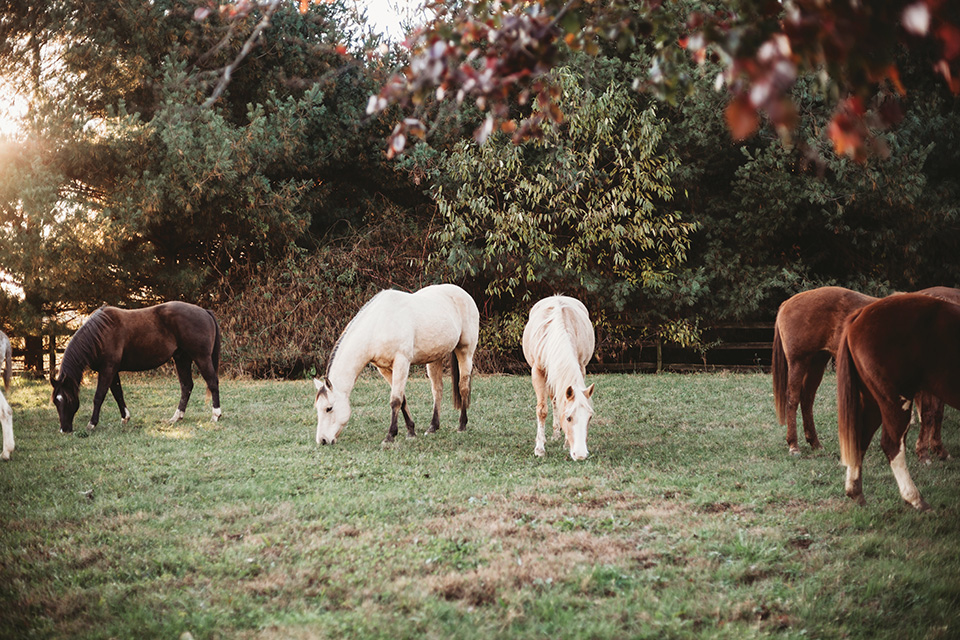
(588, 391)
(327, 382)
(570, 393)
(318, 384)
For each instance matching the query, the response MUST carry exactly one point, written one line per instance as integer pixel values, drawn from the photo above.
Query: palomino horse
(6, 413)
(806, 336)
(889, 352)
(114, 340)
(558, 343)
(394, 330)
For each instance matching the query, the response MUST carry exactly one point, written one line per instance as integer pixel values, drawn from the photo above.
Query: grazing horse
(394, 330)
(889, 352)
(6, 351)
(558, 343)
(6, 413)
(806, 335)
(114, 340)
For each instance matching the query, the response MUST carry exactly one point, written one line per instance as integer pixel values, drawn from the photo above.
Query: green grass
(688, 520)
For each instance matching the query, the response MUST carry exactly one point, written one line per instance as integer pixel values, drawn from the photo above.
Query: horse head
(66, 398)
(333, 411)
(576, 410)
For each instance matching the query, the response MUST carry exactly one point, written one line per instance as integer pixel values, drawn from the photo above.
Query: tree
(495, 54)
(585, 209)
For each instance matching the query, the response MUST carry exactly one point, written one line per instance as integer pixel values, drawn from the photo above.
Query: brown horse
(806, 335)
(114, 340)
(889, 352)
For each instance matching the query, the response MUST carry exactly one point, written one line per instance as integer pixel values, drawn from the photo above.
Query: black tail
(780, 373)
(215, 356)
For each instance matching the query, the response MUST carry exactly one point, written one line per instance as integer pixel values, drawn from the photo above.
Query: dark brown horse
(806, 336)
(114, 340)
(889, 352)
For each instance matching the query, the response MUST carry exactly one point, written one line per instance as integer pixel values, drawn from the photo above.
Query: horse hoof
(539, 452)
(5, 455)
(91, 426)
(795, 451)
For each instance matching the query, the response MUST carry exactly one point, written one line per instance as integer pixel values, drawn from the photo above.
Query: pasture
(689, 519)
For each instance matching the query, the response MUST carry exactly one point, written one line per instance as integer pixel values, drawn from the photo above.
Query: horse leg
(397, 377)
(931, 421)
(811, 382)
(185, 375)
(896, 423)
(465, 364)
(797, 373)
(539, 379)
(209, 374)
(104, 381)
(6, 422)
(117, 392)
(435, 373)
(406, 418)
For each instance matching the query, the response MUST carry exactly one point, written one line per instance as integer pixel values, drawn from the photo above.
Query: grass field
(688, 520)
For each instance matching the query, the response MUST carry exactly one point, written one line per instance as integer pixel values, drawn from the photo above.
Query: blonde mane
(554, 343)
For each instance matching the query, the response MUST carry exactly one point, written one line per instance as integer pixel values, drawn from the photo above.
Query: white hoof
(177, 416)
(216, 414)
(539, 452)
(126, 417)
(5, 455)
(91, 426)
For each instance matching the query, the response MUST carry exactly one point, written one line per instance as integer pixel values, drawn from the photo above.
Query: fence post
(52, 355)
(33, 354)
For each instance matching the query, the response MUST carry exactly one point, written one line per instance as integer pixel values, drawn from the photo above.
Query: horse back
(146, 338)
(812, 321)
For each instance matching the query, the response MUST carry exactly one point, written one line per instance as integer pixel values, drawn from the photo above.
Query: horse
(890, 351)
(7, 351)
(806, 335)
(394, 330)
(558, 342)
(6, 413)
(114, 340)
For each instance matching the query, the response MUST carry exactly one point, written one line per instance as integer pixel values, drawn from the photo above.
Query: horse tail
(7, 365)
(849, 407)
(215, 356)
(780, 373)
(455, 373)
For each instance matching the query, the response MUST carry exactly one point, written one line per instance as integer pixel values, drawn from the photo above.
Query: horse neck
(348, 359)
(75, 362)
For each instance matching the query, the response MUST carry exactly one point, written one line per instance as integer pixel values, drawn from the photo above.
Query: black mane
(85, 346)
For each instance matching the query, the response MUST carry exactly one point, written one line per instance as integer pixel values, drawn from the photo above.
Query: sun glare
(12, 110)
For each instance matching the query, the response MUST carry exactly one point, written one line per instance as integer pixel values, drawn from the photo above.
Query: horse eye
(569, 418)
(329, 409)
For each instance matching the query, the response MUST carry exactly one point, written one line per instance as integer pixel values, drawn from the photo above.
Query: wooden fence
(741, 347)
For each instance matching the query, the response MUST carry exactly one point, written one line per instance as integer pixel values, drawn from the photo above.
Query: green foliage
(584, 210)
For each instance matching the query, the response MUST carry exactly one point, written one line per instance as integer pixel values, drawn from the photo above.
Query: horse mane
(85, 345)
(554, 344)
(346, 330)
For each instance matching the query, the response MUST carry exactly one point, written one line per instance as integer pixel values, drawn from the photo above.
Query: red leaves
(741, 116)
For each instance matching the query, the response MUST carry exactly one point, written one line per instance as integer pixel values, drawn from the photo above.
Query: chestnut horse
(558, 343)
(114, 340)
(889, 352)
(806, 335)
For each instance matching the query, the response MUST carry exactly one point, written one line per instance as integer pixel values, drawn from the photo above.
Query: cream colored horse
(558, 343)
(6, 413)
(394, 330)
